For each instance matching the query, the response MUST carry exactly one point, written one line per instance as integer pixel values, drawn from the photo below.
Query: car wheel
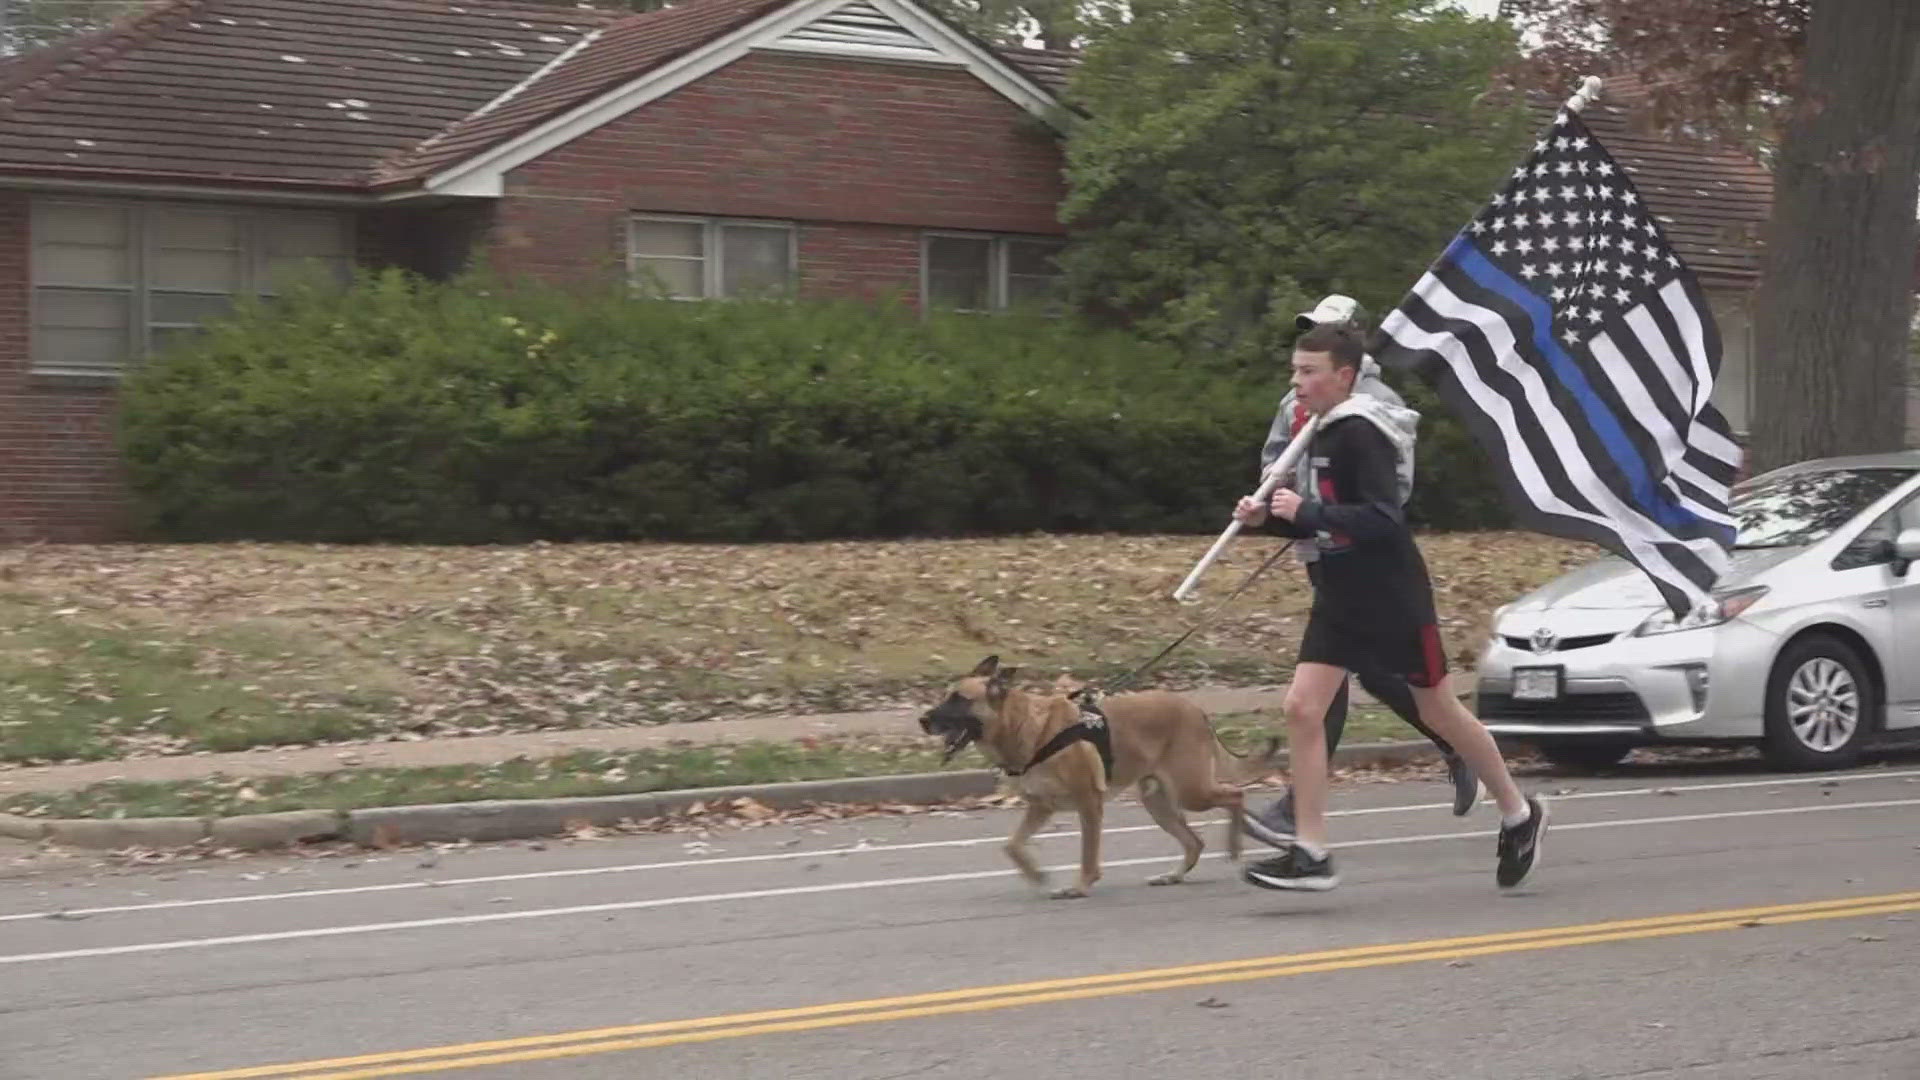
(1819, 702)
(1585, 755)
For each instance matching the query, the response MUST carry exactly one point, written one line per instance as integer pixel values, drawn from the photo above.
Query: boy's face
(1320, 382)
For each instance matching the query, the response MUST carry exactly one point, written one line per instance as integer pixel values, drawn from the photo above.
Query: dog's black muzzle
(954, 722)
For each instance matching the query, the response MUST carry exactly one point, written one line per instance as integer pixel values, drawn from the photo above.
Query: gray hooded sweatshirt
(1399, 423)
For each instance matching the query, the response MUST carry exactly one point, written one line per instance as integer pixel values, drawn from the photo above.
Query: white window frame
(997, 265)
(712, 251)
(256, 225)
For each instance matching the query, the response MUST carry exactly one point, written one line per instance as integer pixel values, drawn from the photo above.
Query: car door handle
(1882, 602)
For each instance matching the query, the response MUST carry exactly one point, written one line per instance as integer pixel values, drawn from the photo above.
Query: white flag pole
(1288, 459)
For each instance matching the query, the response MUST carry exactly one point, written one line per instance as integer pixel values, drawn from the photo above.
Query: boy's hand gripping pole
(1282, 468)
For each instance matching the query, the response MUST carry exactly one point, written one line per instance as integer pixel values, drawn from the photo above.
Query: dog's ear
(985, 668)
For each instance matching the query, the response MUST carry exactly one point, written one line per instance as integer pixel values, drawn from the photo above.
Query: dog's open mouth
(955, 740)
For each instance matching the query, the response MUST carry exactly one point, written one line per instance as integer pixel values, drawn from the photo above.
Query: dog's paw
(1070, 892)
(1166, 879)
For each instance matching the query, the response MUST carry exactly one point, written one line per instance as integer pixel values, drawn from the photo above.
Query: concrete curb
(522, 819)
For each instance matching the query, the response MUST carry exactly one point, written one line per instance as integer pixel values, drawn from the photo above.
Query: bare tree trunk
(1836, 302)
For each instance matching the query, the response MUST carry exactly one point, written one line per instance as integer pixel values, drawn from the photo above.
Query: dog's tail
(1244, 768)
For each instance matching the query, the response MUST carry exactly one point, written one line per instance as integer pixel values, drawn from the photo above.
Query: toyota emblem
(1544, 640)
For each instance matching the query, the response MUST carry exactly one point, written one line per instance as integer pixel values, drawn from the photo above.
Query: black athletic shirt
(1370, 574)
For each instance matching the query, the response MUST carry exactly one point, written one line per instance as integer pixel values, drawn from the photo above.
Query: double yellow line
(987, 998)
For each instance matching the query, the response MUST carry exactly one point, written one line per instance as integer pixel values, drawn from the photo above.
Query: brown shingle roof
(351, 93)
(1713, 202)
(286, 91)
(1048, 67)
(624, 50)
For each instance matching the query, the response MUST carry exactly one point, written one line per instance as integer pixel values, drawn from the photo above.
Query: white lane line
(846, 886)
(781, 856)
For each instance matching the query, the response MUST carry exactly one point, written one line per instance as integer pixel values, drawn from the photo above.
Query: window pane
(189, 308)
(64, 265)
(77, 309)
(91, 350)
(755, 259)
(196, 230)
(958, 253)
(1033, 278)
(686, 239)
(675, 277)
(61, 223)
(80, 245)
(1732, 390)
(959, 272)
(194, 249)
(77, 330)
(1806, 507)
(211, 271)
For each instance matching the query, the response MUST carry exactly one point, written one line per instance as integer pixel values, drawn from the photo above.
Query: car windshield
(1804, 508)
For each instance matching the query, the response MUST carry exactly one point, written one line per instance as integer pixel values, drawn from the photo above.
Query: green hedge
(401, 410)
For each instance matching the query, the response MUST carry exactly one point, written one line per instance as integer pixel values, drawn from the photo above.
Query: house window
(989, 273)
(1733, 389)
(699, 258)
(115, 281)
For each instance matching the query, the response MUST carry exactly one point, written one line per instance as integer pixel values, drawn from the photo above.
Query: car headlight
(1721, 608)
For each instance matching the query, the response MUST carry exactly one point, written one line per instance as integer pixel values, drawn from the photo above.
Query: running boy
(1274, 823)
(1372, 606)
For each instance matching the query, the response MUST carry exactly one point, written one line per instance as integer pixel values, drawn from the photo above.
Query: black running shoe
(1520, 845)
(1466, 786)
(1293, 869)
(1274, 825)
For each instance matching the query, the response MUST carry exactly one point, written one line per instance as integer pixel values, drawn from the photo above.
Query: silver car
(1810, 649)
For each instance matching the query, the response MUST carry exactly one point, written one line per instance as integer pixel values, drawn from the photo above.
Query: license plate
(1536, 683)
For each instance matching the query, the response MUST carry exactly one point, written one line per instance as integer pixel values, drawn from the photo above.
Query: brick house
(150, 172)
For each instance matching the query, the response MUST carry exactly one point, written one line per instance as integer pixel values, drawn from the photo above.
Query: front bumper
(1693, 685)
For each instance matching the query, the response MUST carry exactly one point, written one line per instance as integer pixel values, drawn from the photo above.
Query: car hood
(1614, 584)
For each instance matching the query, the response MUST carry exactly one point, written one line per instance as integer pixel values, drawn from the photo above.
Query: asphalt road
(894, 947)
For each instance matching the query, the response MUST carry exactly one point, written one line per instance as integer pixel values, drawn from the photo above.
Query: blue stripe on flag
(1650, 497)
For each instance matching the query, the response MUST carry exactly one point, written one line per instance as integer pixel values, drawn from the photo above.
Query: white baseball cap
(1333, 308)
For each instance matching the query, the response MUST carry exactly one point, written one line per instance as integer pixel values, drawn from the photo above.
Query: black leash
(1128, 679)
(1092, 725)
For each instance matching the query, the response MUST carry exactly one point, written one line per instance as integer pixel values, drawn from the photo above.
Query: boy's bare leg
(1523, 819)
(1313, 690)
(1442, 711)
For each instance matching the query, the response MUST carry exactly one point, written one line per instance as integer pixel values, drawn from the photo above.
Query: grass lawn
(120, 651)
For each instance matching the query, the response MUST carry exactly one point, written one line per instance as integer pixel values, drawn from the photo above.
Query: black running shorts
(1409, 650)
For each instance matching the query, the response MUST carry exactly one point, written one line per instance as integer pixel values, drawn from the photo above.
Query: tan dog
(1162, 744)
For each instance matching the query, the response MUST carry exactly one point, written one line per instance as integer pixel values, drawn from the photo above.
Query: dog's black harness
(1091, 727)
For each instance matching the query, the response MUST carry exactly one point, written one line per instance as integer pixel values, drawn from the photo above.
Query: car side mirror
(1906, 550)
